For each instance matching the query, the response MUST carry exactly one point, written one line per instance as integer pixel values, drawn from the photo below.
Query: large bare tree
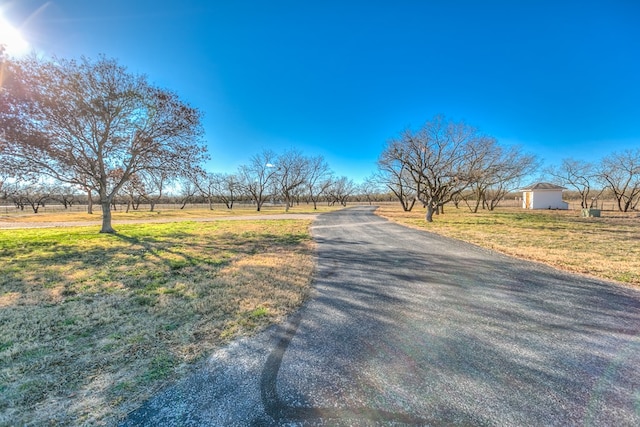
(79, 121)
(440, 159)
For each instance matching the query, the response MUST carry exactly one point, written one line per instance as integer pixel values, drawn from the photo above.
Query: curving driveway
(409, 328)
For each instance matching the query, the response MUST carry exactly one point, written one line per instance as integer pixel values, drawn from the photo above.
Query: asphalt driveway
(409, 328)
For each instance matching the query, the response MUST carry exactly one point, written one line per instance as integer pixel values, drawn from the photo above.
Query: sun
(11, 38)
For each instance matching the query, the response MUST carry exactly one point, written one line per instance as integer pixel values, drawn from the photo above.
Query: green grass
(91, 324)
(606, 247)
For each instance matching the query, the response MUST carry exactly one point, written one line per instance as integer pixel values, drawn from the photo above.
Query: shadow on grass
(67, 346)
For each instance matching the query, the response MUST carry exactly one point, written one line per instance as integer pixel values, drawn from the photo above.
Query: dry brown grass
(606, 247)
(92, 324)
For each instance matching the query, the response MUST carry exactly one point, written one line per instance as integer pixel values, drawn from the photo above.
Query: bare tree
(395, 175)
(340, 190)
(439, 159)
(292, 171)
(11, 192)
(318, 179)
(581, 176)
(220, 186)
(227, 187)
(369, 188)
(620, 172)
(29, 192)
(77, 121)
(133, 191)
(496, 170)
(205, 183)
(257, 177)
(188, 190)
(155, 182)
(67, 195)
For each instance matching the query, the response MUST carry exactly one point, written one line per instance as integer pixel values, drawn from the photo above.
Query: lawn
(92, 324)
(606, 247)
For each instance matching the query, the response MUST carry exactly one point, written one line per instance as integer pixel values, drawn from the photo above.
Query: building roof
(542, 186)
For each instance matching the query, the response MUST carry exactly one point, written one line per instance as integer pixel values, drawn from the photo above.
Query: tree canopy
(438, 162)
(93, 124)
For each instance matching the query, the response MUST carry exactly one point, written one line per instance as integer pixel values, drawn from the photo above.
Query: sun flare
(11, 38)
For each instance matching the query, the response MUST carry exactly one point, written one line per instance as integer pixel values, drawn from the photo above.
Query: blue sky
(339, 78)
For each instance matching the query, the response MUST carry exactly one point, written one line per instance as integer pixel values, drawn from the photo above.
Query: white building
(543, 195)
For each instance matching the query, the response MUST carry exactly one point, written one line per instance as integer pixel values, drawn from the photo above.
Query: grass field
(92, 324)
(606, 247)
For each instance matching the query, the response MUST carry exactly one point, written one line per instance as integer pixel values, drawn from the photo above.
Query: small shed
(543, 195)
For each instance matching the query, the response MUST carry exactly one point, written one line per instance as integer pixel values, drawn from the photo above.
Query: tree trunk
(477, 205)
(429, 216)
(406, 203)
(106, 217)
(90, 203)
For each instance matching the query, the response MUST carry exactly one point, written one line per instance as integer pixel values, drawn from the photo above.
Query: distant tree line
(288, 177)
(305, 180)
